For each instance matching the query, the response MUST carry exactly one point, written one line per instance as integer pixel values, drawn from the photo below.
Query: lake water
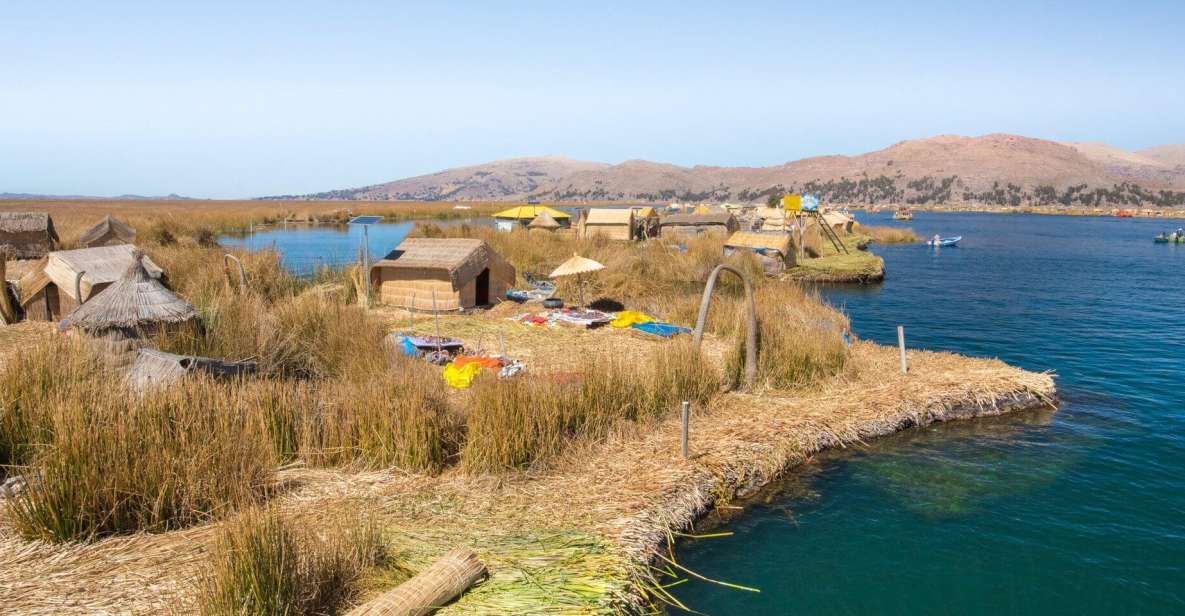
(306, 248)
(1079, 511)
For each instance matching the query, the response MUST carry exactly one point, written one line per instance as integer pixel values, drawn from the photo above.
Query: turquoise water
(306, 248)
(1079, 511)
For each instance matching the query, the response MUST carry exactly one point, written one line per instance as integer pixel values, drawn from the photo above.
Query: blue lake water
(1079, 511)
(306, 248)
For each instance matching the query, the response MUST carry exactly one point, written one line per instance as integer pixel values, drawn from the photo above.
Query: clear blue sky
(217, 99)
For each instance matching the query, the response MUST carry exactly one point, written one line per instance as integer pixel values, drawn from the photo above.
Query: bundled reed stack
(28, 235)
(443, 581)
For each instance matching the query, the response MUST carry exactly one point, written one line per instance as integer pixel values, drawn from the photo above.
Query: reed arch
(751, 325)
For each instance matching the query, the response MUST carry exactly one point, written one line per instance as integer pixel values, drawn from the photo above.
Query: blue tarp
(666, 330)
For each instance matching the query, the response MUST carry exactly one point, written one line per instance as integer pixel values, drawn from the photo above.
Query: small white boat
(945, 241)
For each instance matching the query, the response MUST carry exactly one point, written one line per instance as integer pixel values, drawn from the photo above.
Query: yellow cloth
(461, 378)
(625, 318)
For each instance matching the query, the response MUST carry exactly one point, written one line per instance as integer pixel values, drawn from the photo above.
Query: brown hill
(1172, 155)
(994, 168)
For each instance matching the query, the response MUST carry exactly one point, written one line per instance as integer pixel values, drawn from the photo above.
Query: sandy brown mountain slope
(978, 162)
(1172, 155)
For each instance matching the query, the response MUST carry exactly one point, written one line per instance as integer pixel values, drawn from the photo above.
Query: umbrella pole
(580, 283)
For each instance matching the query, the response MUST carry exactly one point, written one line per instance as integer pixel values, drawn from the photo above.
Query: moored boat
(944, 241)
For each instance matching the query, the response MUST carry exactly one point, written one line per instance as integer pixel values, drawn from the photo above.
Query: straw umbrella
(577, 266)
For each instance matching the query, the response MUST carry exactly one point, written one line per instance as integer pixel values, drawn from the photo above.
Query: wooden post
(7, 309)
(686, 425)
(901, 346)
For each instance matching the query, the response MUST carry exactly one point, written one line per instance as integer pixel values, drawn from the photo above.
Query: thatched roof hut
(27, 235)
(615, 224)
(521, 216)
(544, 221)
(153, 367)
(136, 303)
(48, 290)
(694, 224)
(840, 223)
(462, 272)
(774, 250)
(109, 231)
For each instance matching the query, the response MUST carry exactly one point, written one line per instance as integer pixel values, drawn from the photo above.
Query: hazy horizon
(226, 101)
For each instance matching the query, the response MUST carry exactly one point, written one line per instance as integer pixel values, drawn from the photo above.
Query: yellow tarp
(529, 212)
(461, 378)
(625, 318)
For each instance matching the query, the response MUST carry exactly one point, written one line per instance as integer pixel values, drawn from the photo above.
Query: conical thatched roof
(576, 265)
(107, 230)
(544, 221)
(135, 300)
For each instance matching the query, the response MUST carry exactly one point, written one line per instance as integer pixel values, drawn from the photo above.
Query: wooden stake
(686, 425)
(901, 346)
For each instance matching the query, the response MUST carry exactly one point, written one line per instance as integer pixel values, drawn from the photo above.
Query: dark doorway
(482, 288)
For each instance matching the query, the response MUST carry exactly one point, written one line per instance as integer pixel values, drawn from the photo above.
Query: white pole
(901, 346)
(686, 424)
(366, 264)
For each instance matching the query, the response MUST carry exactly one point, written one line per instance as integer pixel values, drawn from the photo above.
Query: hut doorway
(482, 288)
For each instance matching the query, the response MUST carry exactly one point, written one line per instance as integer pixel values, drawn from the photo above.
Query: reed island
(190, 428)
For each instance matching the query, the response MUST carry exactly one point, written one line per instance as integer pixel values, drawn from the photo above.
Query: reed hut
(775, 251)
(109, 231)
(463, 273)
(773, 219)
(27, 235)
(646, 222)
(54, 288)
(614, 224)
(718, 223)
(839, 223)
(135, 305)
(545, 222)
(521, 216)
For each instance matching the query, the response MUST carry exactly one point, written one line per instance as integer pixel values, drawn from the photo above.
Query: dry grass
(889, 235)
(266, 564)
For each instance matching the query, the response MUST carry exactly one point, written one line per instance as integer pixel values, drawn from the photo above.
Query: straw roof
(576, 265)
(544, 221)
(108, 225)
(835, 218)
(779, 242)
(102, 265)
(136, 299)
(27, 235)
(646, 212)
(462, 258)
(529, 212)
(607, 216)
(715, 218)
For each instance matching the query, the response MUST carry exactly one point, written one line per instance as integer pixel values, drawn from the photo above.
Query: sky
(243, 99)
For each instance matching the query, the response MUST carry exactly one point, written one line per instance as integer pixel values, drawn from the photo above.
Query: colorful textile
(461, 377)
(626, 318)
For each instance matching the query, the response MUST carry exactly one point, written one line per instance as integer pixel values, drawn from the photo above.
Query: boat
(945, 241)
(903, 214)
(1169, 239)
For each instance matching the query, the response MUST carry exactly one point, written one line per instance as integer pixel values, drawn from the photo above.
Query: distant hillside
(34, 197)
(998, 169)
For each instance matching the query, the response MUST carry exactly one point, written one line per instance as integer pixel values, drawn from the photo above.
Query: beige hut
(54, 287)
(717, 223)
(27, 235)
(615, 224)
(839, 223)
(108, 232)
(136, 304)
(463, 273)
(545, 221)
(775, 251)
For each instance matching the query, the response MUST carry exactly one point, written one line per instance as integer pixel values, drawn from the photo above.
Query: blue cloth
(666, 330)
(406, 347)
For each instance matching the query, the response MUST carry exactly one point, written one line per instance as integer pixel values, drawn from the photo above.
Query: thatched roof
(529, 212)
(699, 220)
(835, 218)
(109, 226)
(779, 242)
(136, 300)
(646, 212)
(462, 258)
(608, 216)
(544, 221)
(153, 367)
(27, 235)
(102, 265)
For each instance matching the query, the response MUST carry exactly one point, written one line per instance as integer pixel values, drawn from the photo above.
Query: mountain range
(997, 168)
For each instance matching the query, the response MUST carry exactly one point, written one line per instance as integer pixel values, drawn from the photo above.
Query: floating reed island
(342, 465)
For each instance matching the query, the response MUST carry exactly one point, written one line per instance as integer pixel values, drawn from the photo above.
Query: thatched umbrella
(577, 266)
(130, 304)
